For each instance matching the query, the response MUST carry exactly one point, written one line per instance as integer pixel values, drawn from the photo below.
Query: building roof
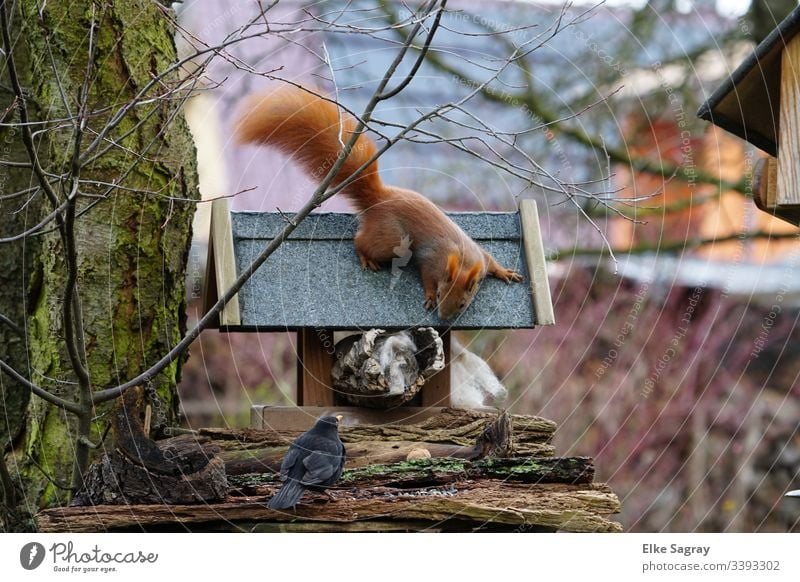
(747, 104)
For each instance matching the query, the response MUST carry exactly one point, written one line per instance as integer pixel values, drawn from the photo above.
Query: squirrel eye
(463, 305)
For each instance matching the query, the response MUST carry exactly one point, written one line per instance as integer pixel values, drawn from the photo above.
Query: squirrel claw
(429, 304)
(510, 276)
(368, 263)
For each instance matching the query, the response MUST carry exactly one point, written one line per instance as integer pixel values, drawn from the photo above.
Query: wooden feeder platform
(457, 489)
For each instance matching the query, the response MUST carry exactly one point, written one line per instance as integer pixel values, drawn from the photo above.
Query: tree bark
(575, 508)
(132, 247)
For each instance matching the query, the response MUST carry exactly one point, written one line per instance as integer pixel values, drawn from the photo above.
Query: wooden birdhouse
(314, 285)
(760, 102)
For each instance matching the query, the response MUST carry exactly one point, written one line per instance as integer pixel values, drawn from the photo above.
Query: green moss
(403, 469)
(130, 268)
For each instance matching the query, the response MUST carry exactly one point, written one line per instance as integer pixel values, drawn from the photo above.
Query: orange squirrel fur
(306, 127)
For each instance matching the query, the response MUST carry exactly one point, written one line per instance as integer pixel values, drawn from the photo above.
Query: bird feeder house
(760, 102)
(314, 285)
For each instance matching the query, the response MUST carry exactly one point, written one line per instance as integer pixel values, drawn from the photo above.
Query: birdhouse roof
(314, 278)
(747, 104)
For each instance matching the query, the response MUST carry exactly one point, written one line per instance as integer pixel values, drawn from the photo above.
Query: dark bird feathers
(314, 461)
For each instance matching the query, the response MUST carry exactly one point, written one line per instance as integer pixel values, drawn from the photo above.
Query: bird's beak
(338, 417)
(795, 493)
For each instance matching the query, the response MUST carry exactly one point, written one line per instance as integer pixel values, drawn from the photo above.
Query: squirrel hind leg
(372, 251)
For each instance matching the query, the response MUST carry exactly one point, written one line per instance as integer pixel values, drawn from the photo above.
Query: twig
(683, 245)
(72, 407)
(14, 327)
(319, 195)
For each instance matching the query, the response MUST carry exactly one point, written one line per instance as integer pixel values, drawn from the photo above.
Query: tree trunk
(131, 247)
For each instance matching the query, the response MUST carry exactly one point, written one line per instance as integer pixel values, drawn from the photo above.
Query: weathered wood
(376, 526)
(437, 390)
(117, 479)
(535, 261)
(385, 369)
(788, 187)
(765, 182)
(294, 419)
(437, 472)
(448, 425)
(765, 186)
(238, 462)
(221, 268)
(495, 440)
(315, 361)
(575, 508)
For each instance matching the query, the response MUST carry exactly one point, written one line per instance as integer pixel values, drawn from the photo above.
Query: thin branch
(618, 155)
(14, 327)
(72, 407)
(683, 245)
(22, 105)
(320, 194)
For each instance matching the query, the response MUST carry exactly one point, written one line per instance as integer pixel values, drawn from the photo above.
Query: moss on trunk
(132, 246)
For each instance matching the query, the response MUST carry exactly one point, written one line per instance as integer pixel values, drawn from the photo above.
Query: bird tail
(312, 131)
(288, 496)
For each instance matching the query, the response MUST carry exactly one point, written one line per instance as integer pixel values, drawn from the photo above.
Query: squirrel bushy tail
(306, 127)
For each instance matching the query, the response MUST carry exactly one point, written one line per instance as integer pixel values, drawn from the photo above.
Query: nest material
(381, 369)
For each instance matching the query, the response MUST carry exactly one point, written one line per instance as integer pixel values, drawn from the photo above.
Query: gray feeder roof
(315, 280)
(747, 104)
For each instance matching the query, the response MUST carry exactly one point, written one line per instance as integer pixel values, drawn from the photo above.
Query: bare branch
(319, 195)
(14, 327)
(72, 407)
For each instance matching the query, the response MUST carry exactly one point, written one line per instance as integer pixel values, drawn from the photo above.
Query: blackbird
(314, 461)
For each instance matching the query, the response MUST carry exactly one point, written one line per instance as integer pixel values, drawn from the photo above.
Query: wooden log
(437, 472)
(292, 418)
(576, 508)
(117, 479)
(494, 441)
(239, 462)
(449, 426)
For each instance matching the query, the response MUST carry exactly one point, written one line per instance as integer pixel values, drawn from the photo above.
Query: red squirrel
(307, 128)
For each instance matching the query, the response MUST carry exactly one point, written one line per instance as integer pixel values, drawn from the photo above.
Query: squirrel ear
(474, 275)
(452, 266)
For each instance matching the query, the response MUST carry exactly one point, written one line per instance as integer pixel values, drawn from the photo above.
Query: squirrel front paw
(430, 303)
(509, 276)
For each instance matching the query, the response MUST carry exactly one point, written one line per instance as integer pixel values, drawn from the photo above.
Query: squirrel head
(458, 288)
